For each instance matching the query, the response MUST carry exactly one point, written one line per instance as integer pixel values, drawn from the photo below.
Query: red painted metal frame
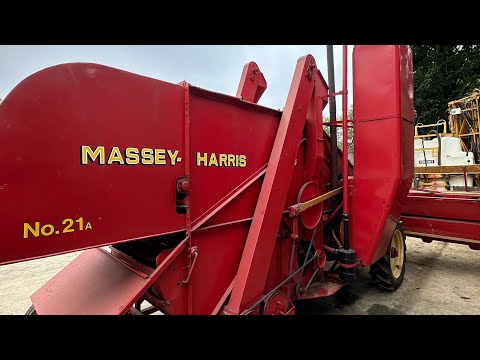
(201, 220)
(345, 132)
(252, 83)
(443, 216)
(253, 268)
(188, 221)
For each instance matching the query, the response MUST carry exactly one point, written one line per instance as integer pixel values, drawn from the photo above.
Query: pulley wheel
(276, 304)
(310, 217)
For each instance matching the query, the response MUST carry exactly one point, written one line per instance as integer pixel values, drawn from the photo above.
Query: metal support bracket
(193, 252)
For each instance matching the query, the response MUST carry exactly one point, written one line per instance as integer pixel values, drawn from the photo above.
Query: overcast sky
(215, 67)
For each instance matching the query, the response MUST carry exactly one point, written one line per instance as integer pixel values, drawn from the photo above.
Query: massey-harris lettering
(148, 156)
(228, 160)
(130, 156)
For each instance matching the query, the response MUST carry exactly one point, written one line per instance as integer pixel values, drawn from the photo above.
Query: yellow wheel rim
(397, 253)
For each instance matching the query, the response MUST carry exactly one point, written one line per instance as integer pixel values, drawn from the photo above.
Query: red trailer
(211, 204)
(450, 216)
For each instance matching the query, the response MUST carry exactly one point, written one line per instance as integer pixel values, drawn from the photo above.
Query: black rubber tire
(381, 271)
(31, 311)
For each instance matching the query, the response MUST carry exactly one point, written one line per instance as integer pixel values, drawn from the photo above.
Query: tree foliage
(340, 132)
(443, 73)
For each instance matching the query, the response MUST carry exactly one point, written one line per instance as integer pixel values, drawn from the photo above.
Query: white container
(458, 180)
(451, 152)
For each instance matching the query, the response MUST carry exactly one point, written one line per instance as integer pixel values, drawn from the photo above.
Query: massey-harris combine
(211, 204)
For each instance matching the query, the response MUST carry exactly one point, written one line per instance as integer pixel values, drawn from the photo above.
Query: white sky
(214, 67)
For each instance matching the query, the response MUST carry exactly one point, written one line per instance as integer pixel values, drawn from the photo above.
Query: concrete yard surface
(440, 278)
(19, 281)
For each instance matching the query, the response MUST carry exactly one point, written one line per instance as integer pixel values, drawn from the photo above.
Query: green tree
(340, 132)
(443, 73)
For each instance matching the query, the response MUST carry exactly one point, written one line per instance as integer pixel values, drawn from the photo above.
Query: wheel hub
(397, 253)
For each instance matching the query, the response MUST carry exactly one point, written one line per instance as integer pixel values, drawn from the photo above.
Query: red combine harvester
(211, 204)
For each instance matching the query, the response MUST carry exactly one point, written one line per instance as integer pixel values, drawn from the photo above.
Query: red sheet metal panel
(383, 127)
(52, 195)
(456, 231)
(252, 83)
(220, 250)
(444, 216)
(223, 126)
(445, 205)
(95, 283)
(45, 121)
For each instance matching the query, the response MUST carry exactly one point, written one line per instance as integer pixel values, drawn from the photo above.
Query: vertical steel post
(346, 243)
(333, 115)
